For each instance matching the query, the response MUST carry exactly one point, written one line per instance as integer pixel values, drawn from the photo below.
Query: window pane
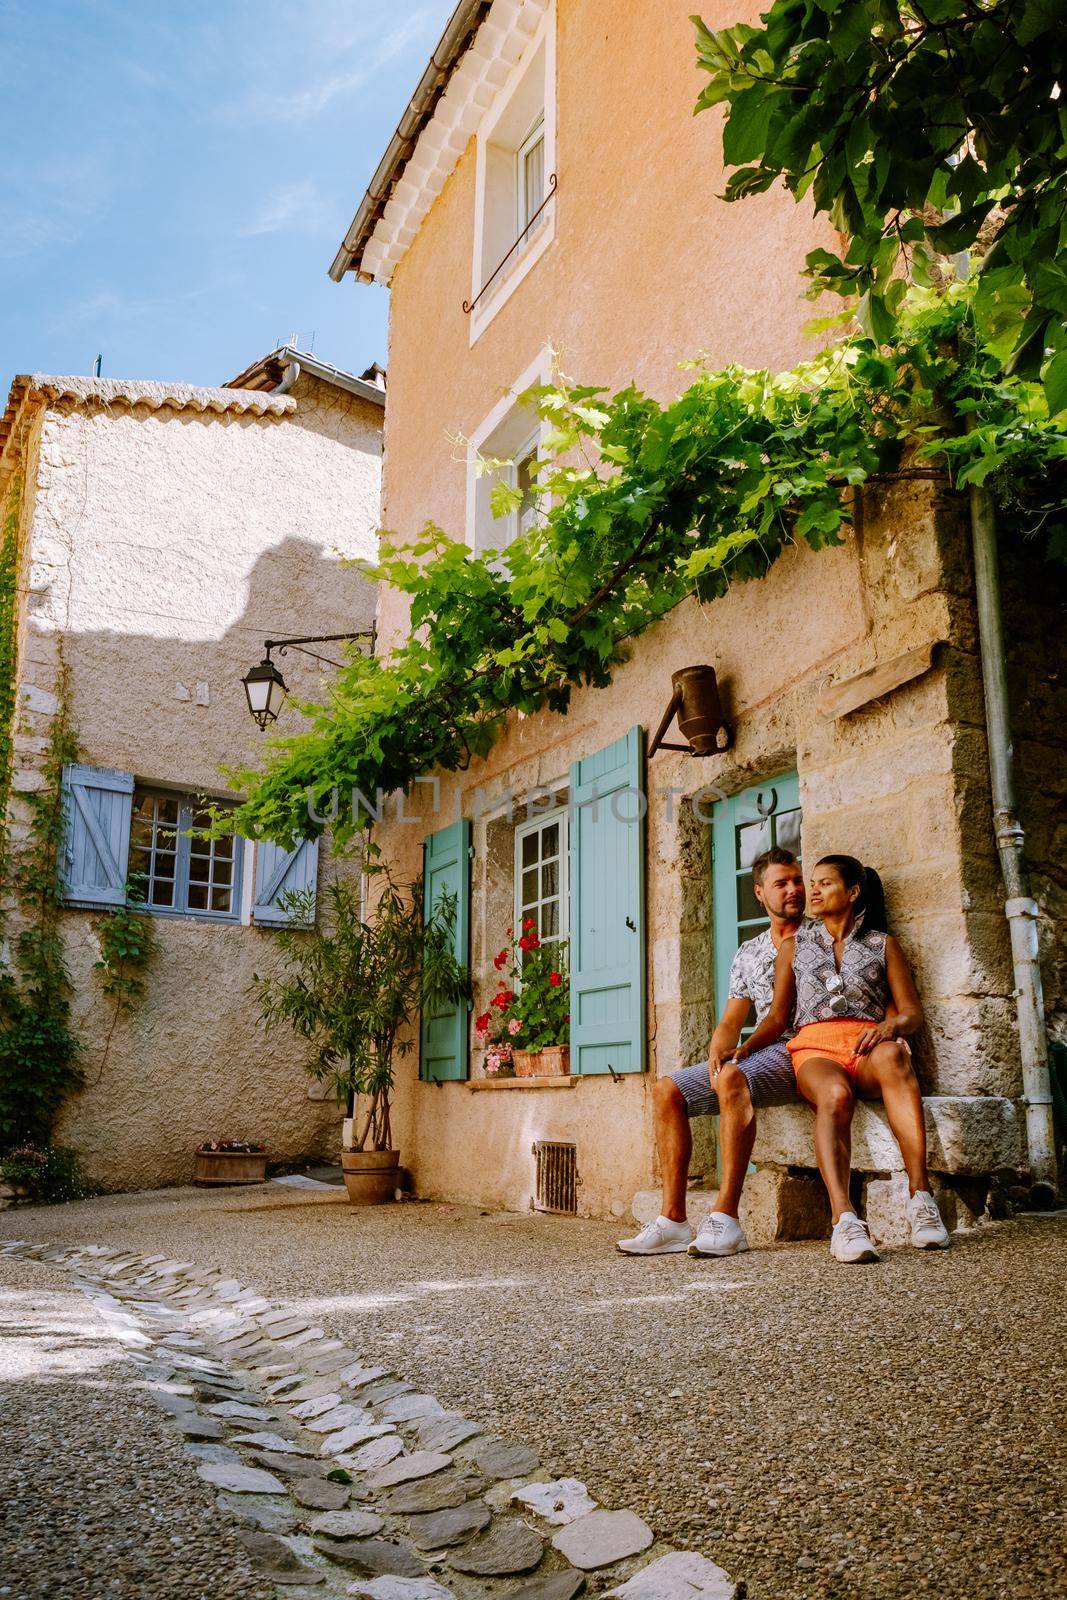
(224, 846)
(550, 880)
(752, 837)
(164, 864)
(529, 888)
(167, 810)
(550, 920)
(550, 840)
(529, 849)
(139, 859)
(199, 869)
(220, 899)
(748, 907)
(787, 831)
(534, 177)
(162, 893)
(223, 872)
(197, 897)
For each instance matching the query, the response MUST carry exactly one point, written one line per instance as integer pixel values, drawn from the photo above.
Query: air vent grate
(557, 1177)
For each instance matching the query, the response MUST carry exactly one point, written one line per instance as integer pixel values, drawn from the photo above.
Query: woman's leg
(888, 1075)
(826, 1086)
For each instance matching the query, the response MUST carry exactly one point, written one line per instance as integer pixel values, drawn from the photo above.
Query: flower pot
(554, 1061)
(371, 1176)
(230, 1166)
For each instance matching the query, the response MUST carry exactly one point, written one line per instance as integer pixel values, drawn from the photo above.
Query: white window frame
(536, 71)
(537, 824)
(523, 210)
(506, 433)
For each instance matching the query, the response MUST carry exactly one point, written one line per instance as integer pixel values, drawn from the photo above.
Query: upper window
(514, 209)
(510, 434)
(177, 869)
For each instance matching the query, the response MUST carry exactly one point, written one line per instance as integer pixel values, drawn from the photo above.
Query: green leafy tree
(350, 988)
(919, 130)
(640, 505)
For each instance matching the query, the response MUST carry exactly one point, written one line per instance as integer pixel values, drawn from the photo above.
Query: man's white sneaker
(850, 1240)
(659, 1238)
(928, 1232)
(719, 1235)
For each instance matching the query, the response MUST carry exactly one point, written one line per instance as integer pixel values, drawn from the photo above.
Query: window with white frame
(541, 876)
(515, 176)
(511, 434)
(176, 867)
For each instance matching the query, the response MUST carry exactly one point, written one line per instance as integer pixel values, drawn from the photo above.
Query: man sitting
(765, 1078)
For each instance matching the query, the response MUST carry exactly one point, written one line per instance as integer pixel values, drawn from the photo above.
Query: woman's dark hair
(854, 875)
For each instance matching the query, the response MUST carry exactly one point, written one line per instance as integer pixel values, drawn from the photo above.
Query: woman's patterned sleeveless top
(859, 990)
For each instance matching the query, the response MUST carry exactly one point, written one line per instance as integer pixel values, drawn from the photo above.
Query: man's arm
(778, 1017)
(724, 1039)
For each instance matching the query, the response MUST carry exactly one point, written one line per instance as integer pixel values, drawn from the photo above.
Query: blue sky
(177, 178)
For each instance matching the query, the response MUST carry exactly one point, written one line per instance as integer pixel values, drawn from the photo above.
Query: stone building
(518, 212)
(160, 534)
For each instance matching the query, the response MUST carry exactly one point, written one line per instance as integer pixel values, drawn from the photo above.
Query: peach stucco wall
(647, 267)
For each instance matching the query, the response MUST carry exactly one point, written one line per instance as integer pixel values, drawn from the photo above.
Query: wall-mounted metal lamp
(265, 687)
(696, 704)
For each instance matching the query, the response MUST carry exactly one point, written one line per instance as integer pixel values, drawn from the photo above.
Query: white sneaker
(850, 1240)
(928, 1232)
(719, 1235)
(659, 1238)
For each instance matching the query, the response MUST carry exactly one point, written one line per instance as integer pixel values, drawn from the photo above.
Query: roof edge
(458, 32)
(259, 376)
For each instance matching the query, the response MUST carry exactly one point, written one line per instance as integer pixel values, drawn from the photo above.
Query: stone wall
(901, 782)
(165, 547)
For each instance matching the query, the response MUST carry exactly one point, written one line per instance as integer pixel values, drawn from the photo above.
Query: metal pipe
(289, 377)
(1019, 908)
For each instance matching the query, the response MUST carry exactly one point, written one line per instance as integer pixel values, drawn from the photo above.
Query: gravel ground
(96, 1495)
(868, 1433)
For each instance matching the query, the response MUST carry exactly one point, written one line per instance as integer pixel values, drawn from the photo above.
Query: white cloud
(294, 205)
(311, 97)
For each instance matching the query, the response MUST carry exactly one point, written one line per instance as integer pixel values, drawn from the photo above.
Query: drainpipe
(289, 377)
(1019, 908)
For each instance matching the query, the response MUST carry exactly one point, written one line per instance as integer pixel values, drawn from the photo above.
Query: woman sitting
(845, 984)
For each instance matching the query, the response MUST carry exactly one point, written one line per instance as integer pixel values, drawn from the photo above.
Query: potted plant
(531, 1012)
(349, 989)
(230, 1161)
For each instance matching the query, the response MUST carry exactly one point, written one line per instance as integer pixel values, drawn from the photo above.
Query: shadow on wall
(164, 701)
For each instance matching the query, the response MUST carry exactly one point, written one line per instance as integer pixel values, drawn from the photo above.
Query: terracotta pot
(371, 1176)
(554, 1061)
(231, 1166)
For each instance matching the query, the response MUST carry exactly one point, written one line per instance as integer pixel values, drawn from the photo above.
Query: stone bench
(967, 1136)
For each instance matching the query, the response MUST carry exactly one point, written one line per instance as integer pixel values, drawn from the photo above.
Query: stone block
(967, 1134)
(783, 1205)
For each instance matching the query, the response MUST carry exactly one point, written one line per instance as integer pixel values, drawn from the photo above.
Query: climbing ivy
(640, 505)
(38, 1050)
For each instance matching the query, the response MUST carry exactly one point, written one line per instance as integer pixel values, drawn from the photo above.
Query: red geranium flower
(555, 979)
(481, 1024)
(498, 961)
(529, 923)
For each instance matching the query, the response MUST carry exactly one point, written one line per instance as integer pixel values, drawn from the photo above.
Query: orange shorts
(835, 1041)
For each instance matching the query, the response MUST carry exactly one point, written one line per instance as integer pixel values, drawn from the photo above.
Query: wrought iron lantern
(696, 704)
(266, 690)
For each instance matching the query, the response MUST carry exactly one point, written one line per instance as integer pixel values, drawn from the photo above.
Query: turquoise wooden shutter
(97, 804)
(280, 872)
(743, 826)
(444, 1035)
(607, 953)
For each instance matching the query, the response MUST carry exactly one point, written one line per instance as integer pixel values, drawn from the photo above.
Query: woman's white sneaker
(663, 1237)
(928, 1232)
(850, 1240)
(719, 1235)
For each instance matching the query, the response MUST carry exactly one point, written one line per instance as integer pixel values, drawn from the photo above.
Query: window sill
(563, 1081)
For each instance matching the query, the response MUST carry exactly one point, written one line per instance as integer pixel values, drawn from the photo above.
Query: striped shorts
(771, 1081)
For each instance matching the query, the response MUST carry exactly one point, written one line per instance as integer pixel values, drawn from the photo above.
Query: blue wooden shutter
(607, 953)
(444, 1034)
(97, 804)
(280, 872)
